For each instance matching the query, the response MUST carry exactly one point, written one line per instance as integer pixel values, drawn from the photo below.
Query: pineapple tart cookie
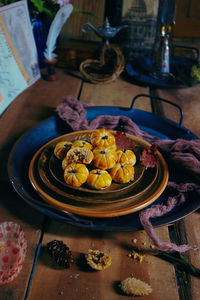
(98, 260)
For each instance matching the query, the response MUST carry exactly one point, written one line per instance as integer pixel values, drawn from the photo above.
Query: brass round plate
(131, 201)
(41, 167)
(49, 165)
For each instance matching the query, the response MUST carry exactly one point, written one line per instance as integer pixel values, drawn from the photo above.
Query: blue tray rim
(97, 224)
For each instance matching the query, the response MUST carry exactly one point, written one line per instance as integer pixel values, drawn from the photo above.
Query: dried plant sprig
(123, 141)
(180, 262)
(149, 157)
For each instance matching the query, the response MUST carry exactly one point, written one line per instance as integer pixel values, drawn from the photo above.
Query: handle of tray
(160, 99)
(189, 48)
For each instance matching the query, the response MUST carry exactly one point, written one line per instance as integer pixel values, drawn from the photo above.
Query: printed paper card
(13, 77)
(17, 20)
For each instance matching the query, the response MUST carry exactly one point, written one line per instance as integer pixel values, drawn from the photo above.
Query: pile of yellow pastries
(99, 155)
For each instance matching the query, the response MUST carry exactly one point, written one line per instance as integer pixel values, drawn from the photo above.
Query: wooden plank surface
(34, 105)
(188, 100)
(50, 281)
(117, 93)
(72, 28)
(187, 19)
(13, 208)
(81, 282)
(192, 233)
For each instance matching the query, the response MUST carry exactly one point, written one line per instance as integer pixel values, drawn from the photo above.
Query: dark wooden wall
(187, 19)
(187, 24)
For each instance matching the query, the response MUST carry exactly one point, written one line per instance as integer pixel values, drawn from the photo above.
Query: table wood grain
(188, 100)
(49, 281)
(80, 282)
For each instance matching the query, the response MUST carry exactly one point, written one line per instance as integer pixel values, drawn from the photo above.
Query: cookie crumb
(138, 257)
(60, 293)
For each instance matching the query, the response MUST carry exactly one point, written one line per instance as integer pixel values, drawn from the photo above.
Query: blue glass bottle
(41, 25)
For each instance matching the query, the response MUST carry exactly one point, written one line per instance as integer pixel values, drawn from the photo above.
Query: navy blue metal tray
(139, 71)
(31, 141)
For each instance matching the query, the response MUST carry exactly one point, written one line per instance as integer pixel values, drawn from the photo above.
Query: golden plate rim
(162, 182)
(43, 156)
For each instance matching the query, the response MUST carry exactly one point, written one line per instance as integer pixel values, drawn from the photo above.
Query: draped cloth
(183, 155)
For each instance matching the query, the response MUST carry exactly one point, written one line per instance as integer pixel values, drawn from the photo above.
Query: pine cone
(60, 252)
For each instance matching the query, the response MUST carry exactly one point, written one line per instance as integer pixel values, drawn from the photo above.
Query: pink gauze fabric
(185, 154)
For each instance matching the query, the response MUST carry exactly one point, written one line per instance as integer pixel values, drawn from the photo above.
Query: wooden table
(45, 280)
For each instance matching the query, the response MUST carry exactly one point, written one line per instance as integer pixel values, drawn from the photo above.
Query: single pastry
(80, 155)
(126, 156)
(75, 174)
(82, 143)
(104, 158)
(62, 148)
(122, 173)
(102, 137)
(99, 179)
(98, 260)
